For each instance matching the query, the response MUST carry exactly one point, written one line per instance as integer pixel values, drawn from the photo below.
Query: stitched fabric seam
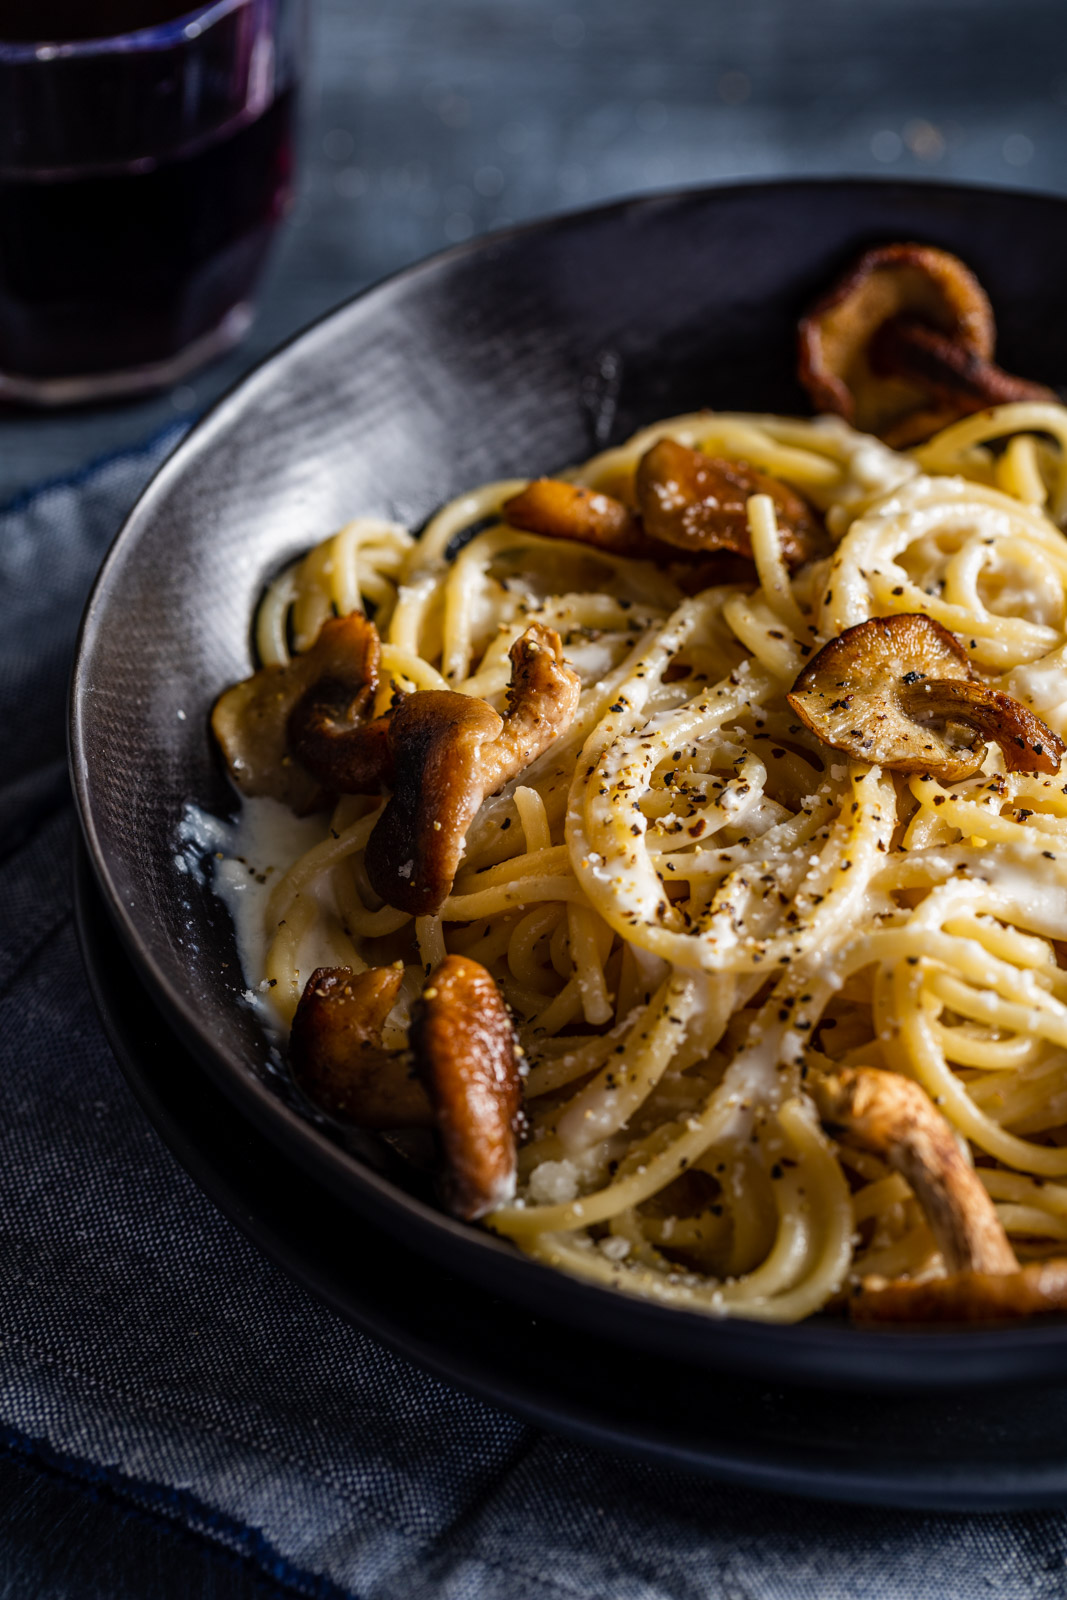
(23, 499)
(353, 1498)
(149, 1501)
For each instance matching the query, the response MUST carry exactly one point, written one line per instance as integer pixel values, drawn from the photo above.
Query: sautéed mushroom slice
(890, 690)
(894, 1118)
(691, 505)
(254, 720)
(451, 750)
(460, 1075)
(902, 346)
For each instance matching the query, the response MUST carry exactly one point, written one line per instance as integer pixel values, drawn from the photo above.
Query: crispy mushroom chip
(902, 345)
(448, 752)
(894, 1118)
(464, 1047)
(251, 721)
(697, 503)
(336, 1052)
(891, 689)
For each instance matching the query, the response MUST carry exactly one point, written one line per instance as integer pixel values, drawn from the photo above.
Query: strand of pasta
(686, 837)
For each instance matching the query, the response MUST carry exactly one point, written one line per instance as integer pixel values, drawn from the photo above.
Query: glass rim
(157, 36)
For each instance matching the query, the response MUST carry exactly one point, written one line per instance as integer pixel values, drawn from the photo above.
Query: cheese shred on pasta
(690, 903)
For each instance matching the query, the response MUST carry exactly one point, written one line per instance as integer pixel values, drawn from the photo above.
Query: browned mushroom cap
(876, 690)
(893, 280)
(449, 751)
(560, 510)
(464, 1048)
(692, 506)
(336, 1053)
(436, 738)
(903, 344)
(893, 1117)
(250, 721)
(698, 503)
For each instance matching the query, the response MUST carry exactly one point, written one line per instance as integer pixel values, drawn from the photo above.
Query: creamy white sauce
(1043, 685)
(243, 860)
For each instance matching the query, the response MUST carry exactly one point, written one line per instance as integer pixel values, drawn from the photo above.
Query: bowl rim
(902, 1358)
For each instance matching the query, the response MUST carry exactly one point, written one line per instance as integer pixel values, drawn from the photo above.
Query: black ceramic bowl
(507, 357)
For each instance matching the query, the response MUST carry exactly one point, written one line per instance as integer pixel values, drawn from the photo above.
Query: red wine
(32, 21)
(119, 270)
(139, 184)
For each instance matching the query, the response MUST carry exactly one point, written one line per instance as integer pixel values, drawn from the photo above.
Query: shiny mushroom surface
(346, 755)
(959, 379)
(902, 345)
(465, 1053)
(337, 1056)
(882, 690)
(460, 1076)
(451, 750)
(696, 504)
(557, 509)
(251, 721)
(691, 506)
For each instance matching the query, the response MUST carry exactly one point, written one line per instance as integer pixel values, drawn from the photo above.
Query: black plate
(996, 1450)
(510, 356)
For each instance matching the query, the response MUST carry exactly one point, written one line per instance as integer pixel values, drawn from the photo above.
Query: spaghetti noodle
(695, 909)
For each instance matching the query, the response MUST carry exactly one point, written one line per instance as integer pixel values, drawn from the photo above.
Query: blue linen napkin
(146, 1348)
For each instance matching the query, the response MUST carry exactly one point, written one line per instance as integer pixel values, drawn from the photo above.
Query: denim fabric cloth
(149, 1354)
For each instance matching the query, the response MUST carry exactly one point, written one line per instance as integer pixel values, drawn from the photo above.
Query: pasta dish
(684, 838)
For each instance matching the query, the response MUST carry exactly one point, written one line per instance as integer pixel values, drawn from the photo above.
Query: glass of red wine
(145, 162)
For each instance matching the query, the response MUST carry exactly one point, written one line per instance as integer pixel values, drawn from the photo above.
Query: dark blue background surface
(432, 120)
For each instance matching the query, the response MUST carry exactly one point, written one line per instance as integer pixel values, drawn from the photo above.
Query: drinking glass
(146, 158)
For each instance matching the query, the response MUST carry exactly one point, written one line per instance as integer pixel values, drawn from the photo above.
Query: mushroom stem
(462, 1049)
(267, 724)
(1033, 1291)
(878, 690)
(347, 757)
(906, 347)
(902, 346)
(894, 1118)
(1026, 743)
